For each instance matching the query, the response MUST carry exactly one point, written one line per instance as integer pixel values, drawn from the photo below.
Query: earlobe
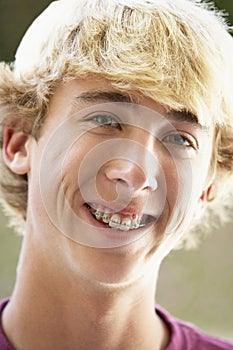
(15, 150)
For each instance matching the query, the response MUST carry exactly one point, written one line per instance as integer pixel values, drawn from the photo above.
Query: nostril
(121, 181)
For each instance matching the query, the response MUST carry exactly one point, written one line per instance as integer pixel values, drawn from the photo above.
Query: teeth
(98, 214)
(125, 224)
(135, 223)
(115, 221)
(106, 218)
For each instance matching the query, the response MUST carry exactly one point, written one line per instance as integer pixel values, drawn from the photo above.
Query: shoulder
(198, 340)
(4, 344)
(185, 336)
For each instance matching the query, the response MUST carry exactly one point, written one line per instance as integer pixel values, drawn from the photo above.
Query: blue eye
(178, 139)
(106, 120)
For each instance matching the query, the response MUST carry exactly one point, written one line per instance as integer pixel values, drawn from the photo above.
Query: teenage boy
(117, 135)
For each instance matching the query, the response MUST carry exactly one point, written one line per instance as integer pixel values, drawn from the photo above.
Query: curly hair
(179, 53)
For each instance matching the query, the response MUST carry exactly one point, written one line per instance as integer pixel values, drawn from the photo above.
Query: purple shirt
(184, 336)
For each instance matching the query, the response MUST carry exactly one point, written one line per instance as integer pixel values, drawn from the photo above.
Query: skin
(74, 296)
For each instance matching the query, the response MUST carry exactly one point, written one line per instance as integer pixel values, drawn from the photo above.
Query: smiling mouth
(118, 221)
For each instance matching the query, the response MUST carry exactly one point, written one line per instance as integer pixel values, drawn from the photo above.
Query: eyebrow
(98, 96)
(183, 116)
(187, 117)
(115, 96)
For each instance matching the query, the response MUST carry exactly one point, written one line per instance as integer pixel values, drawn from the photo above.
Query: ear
(16, 150)
(202, 201)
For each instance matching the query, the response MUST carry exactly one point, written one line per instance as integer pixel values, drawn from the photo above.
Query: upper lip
(128, 210)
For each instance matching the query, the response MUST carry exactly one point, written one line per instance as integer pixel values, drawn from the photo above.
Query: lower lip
(116, 237)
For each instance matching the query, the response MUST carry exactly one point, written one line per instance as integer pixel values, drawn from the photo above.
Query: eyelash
(110, 121)
(185, 141)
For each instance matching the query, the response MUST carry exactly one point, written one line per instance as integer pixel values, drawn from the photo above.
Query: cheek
(180, 182)
(79, 170)
(187, 185)
(74, 164)
(37, 209)
(173, 180)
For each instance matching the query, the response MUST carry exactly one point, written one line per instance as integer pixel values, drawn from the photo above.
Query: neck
(61, 310)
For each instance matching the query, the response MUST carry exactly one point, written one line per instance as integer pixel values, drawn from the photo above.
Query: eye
(105, 120)
(179, 140)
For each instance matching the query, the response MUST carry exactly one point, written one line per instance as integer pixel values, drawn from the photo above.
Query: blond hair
(179, 53)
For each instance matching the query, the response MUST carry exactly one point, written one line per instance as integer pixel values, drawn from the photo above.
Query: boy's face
(111, 171)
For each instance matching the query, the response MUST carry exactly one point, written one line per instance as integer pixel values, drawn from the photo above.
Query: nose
(134, 164)
(126, 172)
